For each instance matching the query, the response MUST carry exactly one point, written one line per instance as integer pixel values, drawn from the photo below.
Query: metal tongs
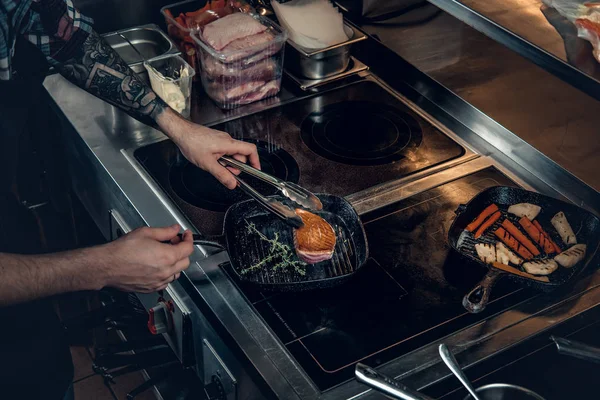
(294, 192)
(576, 349)
(391, 388)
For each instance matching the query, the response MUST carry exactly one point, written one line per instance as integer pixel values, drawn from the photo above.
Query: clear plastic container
(171, 78)
(232, 78)
(189, 16)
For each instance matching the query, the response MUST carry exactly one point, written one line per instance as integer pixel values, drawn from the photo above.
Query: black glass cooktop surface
(340, 142)
(408, 294)
(199, 188)
(361, 133)
(349, 139)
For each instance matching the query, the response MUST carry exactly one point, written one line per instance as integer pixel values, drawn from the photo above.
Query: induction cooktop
(409, 293)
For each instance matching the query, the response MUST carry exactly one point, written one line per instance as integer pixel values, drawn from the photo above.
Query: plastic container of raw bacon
(188, 16)
(238, 76)
(239, 71)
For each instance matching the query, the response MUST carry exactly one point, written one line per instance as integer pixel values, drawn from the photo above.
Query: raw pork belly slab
(223, 31)
(220, 72)
(268, 90)
(249, 41)
(237, 92)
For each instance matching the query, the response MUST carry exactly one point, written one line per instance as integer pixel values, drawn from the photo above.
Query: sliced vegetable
(572, 256)
(560, 223)
(525, 210)
(514, 231)
(513, 243)
(540, 267)
(489, 222)
(486, 252)
(556, 248)
(492, 208)
(536, 235)
(512, 270)
(505, 256)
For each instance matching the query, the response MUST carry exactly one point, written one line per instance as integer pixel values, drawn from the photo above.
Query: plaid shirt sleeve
(57, 28)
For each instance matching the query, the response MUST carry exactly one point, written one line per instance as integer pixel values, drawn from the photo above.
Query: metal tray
(141, 43)
(322, 63)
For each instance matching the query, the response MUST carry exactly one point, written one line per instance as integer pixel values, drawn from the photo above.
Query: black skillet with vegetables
(536, 240)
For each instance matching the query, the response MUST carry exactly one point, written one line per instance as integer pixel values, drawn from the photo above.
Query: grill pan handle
(477, 299)
(213, 241)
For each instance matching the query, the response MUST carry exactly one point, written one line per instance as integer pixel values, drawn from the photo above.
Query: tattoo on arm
(97, 68)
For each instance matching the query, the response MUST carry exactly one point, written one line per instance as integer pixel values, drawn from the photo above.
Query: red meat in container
(230, 74)
(241, 58)
(244, 93)
(223, 31)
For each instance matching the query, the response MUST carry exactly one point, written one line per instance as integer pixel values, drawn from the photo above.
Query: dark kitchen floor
(87, 384)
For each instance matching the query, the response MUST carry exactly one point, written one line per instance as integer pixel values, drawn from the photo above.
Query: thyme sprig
(282, 253)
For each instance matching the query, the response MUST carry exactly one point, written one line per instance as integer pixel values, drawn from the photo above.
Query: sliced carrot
(514, 231)
(181, 20)
(511, 270)
(489, 210)
(554, 245)
(489, 222)
(513, 243)
(536, 235)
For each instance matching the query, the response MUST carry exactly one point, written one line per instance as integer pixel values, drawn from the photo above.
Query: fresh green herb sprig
(282, 253)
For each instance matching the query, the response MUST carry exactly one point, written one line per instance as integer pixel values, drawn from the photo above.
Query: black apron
(35, 360)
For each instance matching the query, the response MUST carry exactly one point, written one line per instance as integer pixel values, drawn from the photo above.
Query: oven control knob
(160, 318)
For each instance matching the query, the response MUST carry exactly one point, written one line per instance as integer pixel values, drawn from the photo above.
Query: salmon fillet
(315, 241)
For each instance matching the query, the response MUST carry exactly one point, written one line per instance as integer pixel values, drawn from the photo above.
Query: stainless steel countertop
(546, 112)
(108, 151)
(536, 32)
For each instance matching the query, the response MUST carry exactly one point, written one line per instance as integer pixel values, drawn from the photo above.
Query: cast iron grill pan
(585, 225)
(246, 249)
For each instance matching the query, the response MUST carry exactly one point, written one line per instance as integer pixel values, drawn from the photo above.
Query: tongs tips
(292, 191)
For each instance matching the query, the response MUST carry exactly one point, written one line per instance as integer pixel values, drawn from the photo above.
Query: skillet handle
(213, 241)
(460, 209)
(206, 242)
(477, 299)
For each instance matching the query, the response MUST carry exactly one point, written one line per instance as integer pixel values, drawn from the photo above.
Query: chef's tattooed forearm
(97, 68)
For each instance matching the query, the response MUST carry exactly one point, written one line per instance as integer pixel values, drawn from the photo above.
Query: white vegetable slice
(486, 252)
(504, 255)
(525, 210)
(572, 256)
(540, 267)
(560, 223)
